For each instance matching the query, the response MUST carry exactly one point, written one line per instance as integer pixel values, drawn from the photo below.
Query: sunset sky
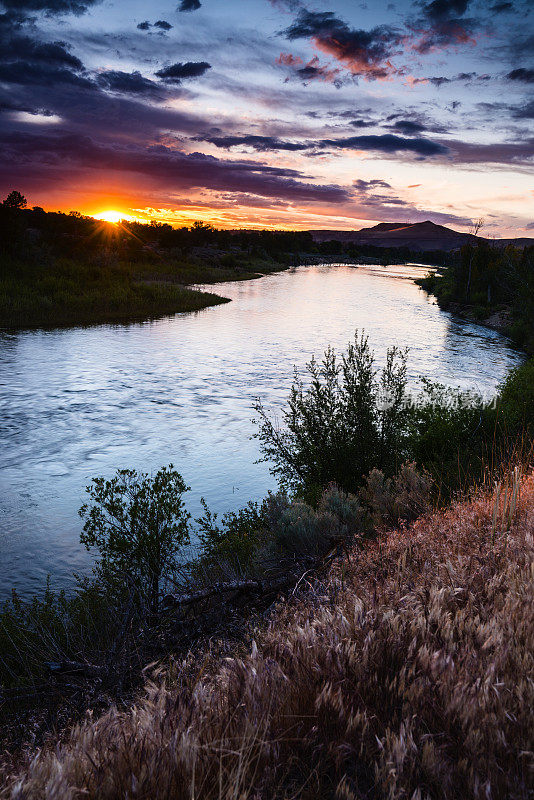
(272, 113)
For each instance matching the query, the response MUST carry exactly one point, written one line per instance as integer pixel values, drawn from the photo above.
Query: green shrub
(233, 542)
(138, 524)
(347, 420)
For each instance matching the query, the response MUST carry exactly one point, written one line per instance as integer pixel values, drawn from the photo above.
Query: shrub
(348, 420)
(400, 498)
(138, 525)
(352, 519)
(232, 544)
(304, 532)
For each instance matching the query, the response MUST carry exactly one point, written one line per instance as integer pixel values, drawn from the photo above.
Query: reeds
(505, 502)
(407, 673)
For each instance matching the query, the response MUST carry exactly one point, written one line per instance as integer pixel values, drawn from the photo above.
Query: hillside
(406, 672)
(417, 236)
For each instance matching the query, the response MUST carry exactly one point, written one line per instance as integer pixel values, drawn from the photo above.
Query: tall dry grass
(408, 673)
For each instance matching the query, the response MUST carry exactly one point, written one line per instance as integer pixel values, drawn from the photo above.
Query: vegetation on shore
(491, 286)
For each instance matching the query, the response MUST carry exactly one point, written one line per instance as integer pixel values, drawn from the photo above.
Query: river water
(81, 402)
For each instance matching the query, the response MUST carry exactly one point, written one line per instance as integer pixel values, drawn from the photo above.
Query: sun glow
(113, 216)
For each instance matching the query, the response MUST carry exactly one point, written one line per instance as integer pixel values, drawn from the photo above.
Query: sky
(296, 114)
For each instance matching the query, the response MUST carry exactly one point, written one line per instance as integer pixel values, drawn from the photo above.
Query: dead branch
(75, 667)
(248, 585)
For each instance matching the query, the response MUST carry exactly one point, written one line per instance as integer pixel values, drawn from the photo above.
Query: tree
(138, 524)
(347, 421)
(15, 200)
(476, 226)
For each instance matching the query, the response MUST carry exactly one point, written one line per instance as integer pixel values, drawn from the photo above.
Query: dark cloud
(388, 143)
(441, 80)
(521, 74)
(524, 112)
(443, 25)
(445, 9)
(22, 72)
(408, 126)
(366, 185)
(519, 154)
(176, 73)
(53, 157)
(444, 34)
(10, 106)
(189, 5)
(499, 8)
(25, 60)
(128, 83)
(49, 7)
(312, 71)
(362, 52)
(127, 117)
(361, 123)
(23, 48)
(161, 24)
(259, 143)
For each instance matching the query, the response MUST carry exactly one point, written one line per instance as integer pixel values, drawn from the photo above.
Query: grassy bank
(67, 269)
(70, 293)
(405, 672)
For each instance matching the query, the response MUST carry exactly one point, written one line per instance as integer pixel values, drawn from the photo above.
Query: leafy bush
(138, 525)
(300, 530)
(349, 419)
(233, 542)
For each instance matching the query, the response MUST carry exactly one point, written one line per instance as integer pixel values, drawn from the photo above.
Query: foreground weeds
(407, 673)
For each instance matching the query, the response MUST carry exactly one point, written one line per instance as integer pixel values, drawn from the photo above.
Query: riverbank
(66, 292)
(401, 671)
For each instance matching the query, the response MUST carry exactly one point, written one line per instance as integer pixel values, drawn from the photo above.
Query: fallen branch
(249, 585)
(75, 667)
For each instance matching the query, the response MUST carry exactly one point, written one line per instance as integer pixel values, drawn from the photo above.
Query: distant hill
(417, 236)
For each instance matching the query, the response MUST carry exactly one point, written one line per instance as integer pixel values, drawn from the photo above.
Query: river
(81, 402)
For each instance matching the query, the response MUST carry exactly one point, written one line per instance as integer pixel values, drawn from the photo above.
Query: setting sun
(112, 216)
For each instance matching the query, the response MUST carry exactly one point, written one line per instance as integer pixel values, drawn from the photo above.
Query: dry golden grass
(408, 673)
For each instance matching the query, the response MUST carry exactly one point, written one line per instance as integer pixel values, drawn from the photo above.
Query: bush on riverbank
(351, 418)
(403, 673)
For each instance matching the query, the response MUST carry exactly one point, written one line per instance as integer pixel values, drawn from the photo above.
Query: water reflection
(76, 402)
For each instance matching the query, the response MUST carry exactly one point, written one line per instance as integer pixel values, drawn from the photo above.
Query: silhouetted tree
(15, 200)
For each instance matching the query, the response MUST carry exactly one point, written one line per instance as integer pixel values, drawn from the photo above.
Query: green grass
(67, 292)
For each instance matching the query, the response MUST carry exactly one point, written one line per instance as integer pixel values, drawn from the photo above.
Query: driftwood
(248, 585)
